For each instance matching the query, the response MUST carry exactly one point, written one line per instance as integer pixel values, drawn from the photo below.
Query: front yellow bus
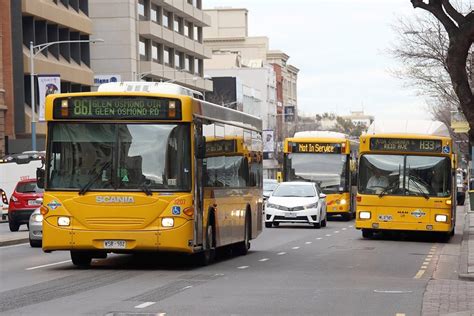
(326, 161)
(405, 184)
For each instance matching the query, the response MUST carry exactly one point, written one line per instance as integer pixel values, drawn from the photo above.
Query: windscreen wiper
(96, 177)
(426, 196)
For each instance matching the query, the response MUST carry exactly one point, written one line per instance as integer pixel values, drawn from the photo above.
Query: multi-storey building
(42, 21)
(153, 40)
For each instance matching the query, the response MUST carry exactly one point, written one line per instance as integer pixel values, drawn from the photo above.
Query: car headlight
(270, 205)
(64, 221)
(314, 205)
(441, 218)
(37, 218)
(167, 222)
(364, 215)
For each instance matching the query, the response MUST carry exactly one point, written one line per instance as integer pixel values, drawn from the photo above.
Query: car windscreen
(294, 191)
(269, 186)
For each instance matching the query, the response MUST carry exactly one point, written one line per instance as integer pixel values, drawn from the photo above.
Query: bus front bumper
(177, 239)
(402, 226)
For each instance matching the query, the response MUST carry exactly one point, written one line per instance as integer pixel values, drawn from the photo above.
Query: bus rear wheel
(367, 233)
(243, 247)
(208, 256)
(81, 259)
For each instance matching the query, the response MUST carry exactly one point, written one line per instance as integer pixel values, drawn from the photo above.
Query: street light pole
(39, 48)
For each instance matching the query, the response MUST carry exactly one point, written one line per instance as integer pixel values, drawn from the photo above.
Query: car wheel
(268, 224)
(14, 227)
(81, 259)
(317, 225)
(367, 233)
(323, 223)
(35, 243)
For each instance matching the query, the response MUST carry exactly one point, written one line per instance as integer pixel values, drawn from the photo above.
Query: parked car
(268, 186)
(23, 202)
(3, 204)
(296, 202)
(36, 228)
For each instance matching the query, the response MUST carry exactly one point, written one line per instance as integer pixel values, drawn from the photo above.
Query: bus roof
(153, 87)
(415, 127)
(320, 134)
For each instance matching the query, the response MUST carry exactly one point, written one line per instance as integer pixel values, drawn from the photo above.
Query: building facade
(152, 40)
(39, 22)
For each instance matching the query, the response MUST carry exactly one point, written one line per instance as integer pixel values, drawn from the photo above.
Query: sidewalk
(8, 238)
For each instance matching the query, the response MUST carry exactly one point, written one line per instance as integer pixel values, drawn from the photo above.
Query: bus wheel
(207, 256)
(242, 248)
(367, 233)
(268, 224)
(444, 237)
(347, 216)
(81, 259)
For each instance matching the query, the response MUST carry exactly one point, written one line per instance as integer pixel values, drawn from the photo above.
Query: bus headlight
(343, 201)
(167, 222)
(364, 215)
(441, 218)
(64, 221)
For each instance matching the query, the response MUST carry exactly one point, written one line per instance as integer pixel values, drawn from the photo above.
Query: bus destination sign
(320, 148)
(406, 145)
(220, 147)
(117, 108)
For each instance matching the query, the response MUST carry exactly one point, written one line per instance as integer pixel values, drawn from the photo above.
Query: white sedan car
(296, 202)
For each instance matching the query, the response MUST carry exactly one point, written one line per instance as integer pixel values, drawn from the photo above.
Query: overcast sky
(340, 48)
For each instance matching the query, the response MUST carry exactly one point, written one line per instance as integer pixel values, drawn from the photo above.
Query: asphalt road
(290, 270)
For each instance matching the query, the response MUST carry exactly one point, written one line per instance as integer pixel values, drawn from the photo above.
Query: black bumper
(20, 217)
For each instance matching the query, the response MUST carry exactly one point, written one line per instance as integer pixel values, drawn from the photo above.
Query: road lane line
(319, 238)
(308, 242)
(146, 304)
(429, 256)
(281, 253)
(419, 274)
(336, 232)
(11, 246)
(47, 265)
(399, 314)
(328, 235)
(295, 248)
(263, 260)
(186, 287)
(242, 267)
(344, 228)
(424, 267)
(351, 226)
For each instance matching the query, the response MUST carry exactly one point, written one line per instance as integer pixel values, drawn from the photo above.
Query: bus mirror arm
(40, 178)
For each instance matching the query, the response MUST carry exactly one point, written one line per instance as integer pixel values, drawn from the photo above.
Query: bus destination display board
(224, 146)
(321, 148)
(407, 145)
(117, 108)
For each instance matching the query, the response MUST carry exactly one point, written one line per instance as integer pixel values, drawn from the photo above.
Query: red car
(23, 202)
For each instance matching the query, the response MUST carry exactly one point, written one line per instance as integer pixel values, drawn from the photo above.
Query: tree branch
(436, 8)
(453, 13)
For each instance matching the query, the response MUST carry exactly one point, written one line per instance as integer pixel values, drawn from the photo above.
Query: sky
(340, 47)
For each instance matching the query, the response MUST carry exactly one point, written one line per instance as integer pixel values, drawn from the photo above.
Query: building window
(154, 11)
(155, 52)
(167, 56)
(166, 18)
(178, 60)
(142, 49)
(178, 24)
(141, 8)
(197, 66)
(197, 34)
(188, 29)
(188, 62)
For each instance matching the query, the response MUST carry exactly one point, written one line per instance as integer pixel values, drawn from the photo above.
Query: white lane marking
(308, 242)
(429, 256)
(263, 260)
(399, 314)
(419, 274)
(281, 253)
(392, 291)
(319, 238)
(344, 228)
(424, 267)
(336, 232)
(164, 314)
(242, 267)
(146, 304)
(187, 287)
(328, 235)
(351, 226)
(11, 246)
(47, 265)
(295, 248)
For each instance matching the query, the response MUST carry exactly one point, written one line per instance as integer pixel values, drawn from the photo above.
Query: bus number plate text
(115, 244)
(385, 218)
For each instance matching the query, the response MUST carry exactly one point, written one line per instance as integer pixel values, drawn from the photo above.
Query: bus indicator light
(64, 108)
(189, 211)
(172, 109)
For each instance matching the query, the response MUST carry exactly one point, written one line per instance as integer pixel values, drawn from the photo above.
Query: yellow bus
(327, 158)
(129, 169)
(406, 178)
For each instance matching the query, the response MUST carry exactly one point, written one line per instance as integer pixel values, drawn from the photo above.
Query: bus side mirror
(200, 147)
(40, 178)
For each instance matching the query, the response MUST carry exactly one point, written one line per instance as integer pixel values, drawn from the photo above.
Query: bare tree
(459, 28)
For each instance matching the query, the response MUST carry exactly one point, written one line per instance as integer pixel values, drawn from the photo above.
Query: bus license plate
(385, 218)
(290, 214)
(115, 244)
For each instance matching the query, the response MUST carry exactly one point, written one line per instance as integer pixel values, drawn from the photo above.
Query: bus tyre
(347, 216)
(367, 233)
(242, 248)
(268, 224)
(81, 259)
(14, 227)
(208, 256)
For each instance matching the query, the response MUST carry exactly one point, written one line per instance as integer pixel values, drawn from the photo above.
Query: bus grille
(114, 221)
